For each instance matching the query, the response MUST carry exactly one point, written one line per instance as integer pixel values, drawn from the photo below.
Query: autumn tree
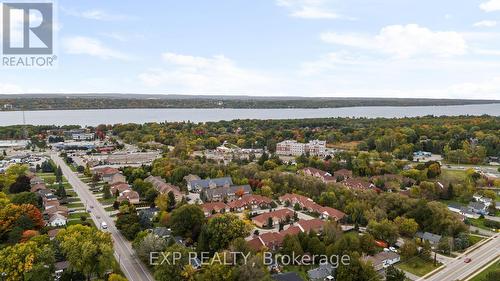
(87, 249)
(385, 230)
(407, 227)
(169, 270)
(31, 260)
(221, 230)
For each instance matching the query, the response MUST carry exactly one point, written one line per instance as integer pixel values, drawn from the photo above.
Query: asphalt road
(459, 270)
(131, 266)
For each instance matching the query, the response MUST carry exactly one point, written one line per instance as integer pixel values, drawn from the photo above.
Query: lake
(142, 115)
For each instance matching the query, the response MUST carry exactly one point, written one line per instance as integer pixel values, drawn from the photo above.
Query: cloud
(309, 9)
(96, 14)
(403, 41)
(485, 23)
(484, 89)
(80, 45)
(216, 74)
(490, 6)
(7, 88)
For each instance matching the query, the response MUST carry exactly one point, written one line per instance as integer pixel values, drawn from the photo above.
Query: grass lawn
(473, 239)
(452, 175)
(106, 201)
(417, 266)
(109, 209)
(77, 215)
(482, 276)
(75, 205)
(478, 223)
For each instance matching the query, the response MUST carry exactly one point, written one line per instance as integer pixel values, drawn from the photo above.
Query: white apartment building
(294, 148)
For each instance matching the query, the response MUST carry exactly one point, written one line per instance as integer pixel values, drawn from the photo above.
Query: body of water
(143, 115)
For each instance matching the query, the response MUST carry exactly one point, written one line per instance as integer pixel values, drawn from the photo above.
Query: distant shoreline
(93, 102)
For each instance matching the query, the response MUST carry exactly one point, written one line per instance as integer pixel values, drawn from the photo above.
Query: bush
(492, 224)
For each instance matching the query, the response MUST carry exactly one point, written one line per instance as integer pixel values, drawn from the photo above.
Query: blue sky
(357, 48)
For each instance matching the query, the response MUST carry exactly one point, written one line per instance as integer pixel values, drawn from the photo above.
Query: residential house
(478, 208)
(357, 183)
(59, 268)
(62, 210)
(307, 226)
(461, 210)
(213, 208)
(199, 185)
(269, 240)
(325, 271)
(317, 173)
(120, 187)
(117, 178)
(427, 236)
(287, 276)
(311, 206)
(382, 260)
(485, 200)
(36, 180)
(190, 178)
(106, 173)
(225, 193)
(57, 220)
(130, 196)
(342, 174)
(37, 187)
(162, 232)
(282, 215)
(331, 213)
(251, 202)
(164, 188)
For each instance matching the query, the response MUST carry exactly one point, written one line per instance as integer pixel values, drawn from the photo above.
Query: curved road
(131, 266)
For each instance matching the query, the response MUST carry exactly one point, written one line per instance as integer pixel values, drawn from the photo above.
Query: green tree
(394, 274)
(356, 270)
(87, 249)
(187, 220)
(26, 198)
(168, 270)
(149, 243)
(291, 246)
(407, 227)
(444, 246)
(221, 230)
(409, 249)
(253, 270)
(59, 174)
(385, 230)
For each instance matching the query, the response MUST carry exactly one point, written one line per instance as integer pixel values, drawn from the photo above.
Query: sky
(328, 48)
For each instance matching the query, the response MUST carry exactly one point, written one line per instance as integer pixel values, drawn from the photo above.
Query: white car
(392, 249)
(104, 225)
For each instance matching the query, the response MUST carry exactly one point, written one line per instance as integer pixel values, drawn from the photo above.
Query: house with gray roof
(325, 271)
(199, 185)
(225, 193)
(427, 236)
(478, 208)
(287, 276)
